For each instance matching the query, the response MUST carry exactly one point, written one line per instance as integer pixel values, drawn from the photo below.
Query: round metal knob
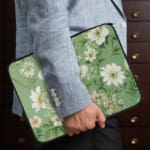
(135, 35)
(134, 141)
(135, 14)
(134, 119)
(21, 140)
(136, 76)
(135, 56)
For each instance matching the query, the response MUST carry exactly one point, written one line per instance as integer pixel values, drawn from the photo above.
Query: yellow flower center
(113, 75)
(35, 121)
(29, 68)
(91, 55)
(40, 99)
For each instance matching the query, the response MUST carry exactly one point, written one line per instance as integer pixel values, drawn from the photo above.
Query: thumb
(101, 118)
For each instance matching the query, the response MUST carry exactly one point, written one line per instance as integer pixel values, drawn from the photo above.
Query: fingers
(71, 132)
(72, 129)
(84, 120)
(101, 118)
(76, 129)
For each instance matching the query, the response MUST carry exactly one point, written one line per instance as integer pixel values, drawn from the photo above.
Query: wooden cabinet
(135, 123)
(15, 133)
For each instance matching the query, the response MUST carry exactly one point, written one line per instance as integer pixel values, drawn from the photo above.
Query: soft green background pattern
(103, 69)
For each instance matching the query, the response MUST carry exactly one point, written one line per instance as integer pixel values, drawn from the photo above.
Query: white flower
(120, 102)
(90, 54)
(88, 44)
(56, 121)
(27, 69)
(35, 121)
(38, 98)
(98, 34)
(94, 95)
(40, 75)
(112, 74)
(83, 71)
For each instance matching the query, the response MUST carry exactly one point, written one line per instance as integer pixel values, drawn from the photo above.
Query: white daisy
(38, 99)
(56, 121)
(83, 71)
(27, 69)
(40, 75)
(90, 54)
(35, 121)
(94, 95)
(112, 74)
(98, 35)
(120, 102)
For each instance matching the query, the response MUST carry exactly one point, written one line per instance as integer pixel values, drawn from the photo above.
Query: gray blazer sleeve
(51, 43)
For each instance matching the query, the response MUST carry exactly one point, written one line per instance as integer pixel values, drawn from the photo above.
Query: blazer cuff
(69, 98)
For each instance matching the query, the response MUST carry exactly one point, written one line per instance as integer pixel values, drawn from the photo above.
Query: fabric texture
(44, 27)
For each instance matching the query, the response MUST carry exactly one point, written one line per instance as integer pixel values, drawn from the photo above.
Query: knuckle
(90, 126)
(83, 129)
(103, 120)
(70, 134)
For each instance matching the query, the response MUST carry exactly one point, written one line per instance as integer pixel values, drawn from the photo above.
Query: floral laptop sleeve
(103, 69)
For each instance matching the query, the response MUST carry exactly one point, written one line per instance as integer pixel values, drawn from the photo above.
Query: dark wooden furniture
(135, 123)
(15, 133)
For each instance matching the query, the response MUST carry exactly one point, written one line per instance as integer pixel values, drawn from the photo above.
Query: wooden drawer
(10, 11)
(9, 95)
(18, 148)
(136, 137)
(145, 94)
(139, 52)
(142, 73)
(19, 135)
(137, 116)
(2, 51)
(7, 52)
(137, 10)
(2, 9)
(1, 95)
(17, 132)
(11, 120)
(2, 31)
(138, 32)
(1, 72)
(10, 34)
(132, 148)
(10, 52)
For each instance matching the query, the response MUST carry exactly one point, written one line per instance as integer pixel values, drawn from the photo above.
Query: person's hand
(84, 120)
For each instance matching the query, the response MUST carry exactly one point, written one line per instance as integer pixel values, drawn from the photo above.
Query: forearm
(53, 48)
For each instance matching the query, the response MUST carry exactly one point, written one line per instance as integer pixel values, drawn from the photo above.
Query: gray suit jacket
(45, 27)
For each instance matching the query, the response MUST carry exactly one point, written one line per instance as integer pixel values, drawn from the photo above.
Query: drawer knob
(134, 119)
(135, 56)
(135, 14)
(134, 141)
(135, 35)
(137, 77)
(21, 140)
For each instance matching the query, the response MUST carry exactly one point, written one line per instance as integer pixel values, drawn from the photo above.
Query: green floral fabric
(103, 69)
